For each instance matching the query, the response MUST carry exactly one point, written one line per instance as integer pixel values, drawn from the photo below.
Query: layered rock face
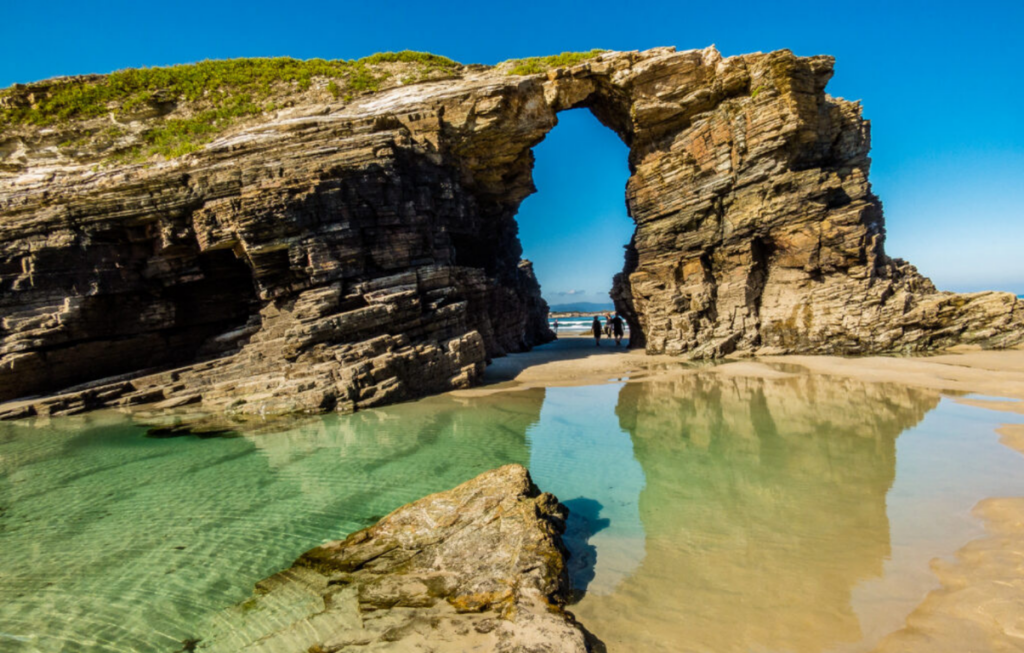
(313, 263)
(756, 226)
(479, 567)
(332, 255)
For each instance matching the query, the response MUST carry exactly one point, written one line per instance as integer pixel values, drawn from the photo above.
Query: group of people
(613, 328)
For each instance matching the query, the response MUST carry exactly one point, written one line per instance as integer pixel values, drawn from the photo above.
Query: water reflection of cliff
(764, 507)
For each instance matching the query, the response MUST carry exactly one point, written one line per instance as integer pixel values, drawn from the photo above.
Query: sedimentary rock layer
(479, 567)
(334, 255)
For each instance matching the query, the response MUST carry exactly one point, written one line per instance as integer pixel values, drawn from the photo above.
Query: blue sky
(940, 81)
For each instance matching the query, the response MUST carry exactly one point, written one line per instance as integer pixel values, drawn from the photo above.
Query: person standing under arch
(617, 330)
(596, 328)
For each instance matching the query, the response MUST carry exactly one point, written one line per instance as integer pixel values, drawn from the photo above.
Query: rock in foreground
(479, 567)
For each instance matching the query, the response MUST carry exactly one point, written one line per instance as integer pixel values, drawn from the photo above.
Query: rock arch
(757, 229)
(381, 237)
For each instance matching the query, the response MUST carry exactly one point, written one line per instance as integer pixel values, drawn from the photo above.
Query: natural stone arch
(381, 236)
(756, 226)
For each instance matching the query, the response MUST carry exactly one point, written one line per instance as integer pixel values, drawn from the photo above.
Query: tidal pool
(709, 513)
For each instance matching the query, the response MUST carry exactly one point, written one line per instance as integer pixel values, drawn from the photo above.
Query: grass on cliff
(222, 92)
(534, 65)
(206, 98)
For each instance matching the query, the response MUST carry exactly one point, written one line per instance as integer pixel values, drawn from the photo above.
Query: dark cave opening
(212, 311)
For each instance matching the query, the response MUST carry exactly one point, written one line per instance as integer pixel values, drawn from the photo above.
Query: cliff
(343, 235)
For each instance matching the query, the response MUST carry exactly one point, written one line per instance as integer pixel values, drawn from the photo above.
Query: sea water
(578, 325)
(708, 513)
(573, 324)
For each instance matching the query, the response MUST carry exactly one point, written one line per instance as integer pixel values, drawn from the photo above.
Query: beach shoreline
(575, 360)
(979, 601)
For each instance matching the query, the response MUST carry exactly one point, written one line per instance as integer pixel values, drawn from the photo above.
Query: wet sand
(979, 605)
(575, 360)
(991, 373)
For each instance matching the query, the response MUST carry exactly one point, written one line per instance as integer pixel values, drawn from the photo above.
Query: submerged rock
(335, 255)
(479, 567)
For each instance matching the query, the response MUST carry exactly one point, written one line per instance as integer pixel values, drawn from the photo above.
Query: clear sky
(941, 82)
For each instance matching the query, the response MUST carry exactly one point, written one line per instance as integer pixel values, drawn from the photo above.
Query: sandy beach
(980, 604)
(575, 360)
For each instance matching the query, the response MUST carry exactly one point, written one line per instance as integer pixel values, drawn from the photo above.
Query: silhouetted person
(596, 328)
(555, 325)
(617, 330)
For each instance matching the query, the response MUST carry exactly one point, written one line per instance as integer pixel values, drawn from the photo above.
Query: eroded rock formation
(333, 255)
(479, 567)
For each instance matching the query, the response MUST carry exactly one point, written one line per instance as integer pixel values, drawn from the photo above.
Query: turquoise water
(709, 513)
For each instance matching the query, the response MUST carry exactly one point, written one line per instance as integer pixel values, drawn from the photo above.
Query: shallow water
(709, 513)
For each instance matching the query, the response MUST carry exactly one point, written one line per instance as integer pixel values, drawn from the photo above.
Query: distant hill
(583, 307)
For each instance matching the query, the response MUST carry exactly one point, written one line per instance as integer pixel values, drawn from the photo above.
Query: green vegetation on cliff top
(534, 65)
(219, 82)
(217, 94)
